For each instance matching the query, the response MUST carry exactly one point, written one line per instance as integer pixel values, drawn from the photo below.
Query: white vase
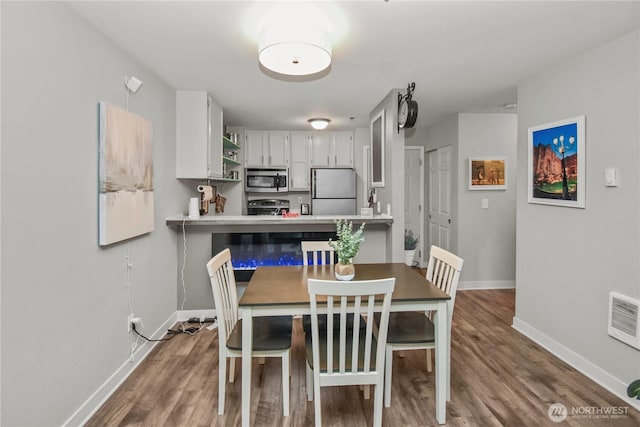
(345, 271)
(409, 255)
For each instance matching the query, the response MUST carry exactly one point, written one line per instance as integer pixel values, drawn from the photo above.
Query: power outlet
(129, 322)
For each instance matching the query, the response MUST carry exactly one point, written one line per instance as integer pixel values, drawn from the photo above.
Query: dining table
(282, 290)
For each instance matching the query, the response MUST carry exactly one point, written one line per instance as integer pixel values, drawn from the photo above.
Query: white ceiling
(463, 56)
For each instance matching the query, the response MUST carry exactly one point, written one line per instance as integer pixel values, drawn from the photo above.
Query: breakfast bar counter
(194, 241)
(277, 220)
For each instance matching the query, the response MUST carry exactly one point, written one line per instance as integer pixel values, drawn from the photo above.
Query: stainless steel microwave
(261, 180)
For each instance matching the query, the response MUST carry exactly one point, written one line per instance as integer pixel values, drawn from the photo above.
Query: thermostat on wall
(611, 177)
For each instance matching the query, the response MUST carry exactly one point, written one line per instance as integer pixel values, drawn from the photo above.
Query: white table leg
(442, 366)
(247, 345)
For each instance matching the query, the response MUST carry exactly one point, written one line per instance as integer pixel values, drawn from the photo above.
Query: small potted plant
(410, 244)
(346, 247)
(633, 390)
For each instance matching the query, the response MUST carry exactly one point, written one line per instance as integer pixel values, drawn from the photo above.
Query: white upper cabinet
(321, 149)
(266, 149)
(299, 173)
(198, 136)
(343, 149)
(254, 148)
(278, 149)
(332, 149)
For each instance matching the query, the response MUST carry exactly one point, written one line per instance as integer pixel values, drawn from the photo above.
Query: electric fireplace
(252, 250)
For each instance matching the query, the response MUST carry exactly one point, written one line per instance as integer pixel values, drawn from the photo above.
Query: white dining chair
(412, 330)
(271, 335)
(348, 356)
(318, 252)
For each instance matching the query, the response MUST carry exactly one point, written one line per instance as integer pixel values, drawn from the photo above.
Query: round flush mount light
(294, 50)
(318, 123)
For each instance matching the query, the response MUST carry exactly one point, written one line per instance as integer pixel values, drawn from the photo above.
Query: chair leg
(429, 362)
(387, 376)
(261, 360)
(317, 403)
(222, 379)
(309, 383)
(367, 392)
(232, 369)
(377, 405)
(285, 383)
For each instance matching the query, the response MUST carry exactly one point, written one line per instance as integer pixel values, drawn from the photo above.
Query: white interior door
(414, 196)
(440, 197)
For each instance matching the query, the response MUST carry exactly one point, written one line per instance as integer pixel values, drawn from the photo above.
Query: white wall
(393, 191)
(570, 259)
(484, 238)
(64, 300)
(487, 237)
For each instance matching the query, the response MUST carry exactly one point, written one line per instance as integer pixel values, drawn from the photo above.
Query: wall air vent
(624, 319)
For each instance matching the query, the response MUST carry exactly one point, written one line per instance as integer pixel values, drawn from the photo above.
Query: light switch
(611, 177)
(485, 203)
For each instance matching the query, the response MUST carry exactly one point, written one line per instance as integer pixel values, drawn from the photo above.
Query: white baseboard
(592, 371)
(486, 284)
(97, 399)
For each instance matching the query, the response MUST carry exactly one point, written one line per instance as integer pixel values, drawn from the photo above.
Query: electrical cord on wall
(184, 262)
(128, 265)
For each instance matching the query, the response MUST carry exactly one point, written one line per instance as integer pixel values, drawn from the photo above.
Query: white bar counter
(193, 241)
(279, 220)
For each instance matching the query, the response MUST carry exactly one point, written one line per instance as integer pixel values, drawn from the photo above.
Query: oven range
(267, 206)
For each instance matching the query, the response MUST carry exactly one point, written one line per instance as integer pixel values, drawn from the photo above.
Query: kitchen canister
(194, 208)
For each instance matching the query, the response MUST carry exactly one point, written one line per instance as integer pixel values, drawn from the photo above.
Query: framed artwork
(377, 150)
(125, 199)
(488, 173)
(557, 163)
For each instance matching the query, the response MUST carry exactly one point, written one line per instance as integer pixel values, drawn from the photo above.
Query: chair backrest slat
(225, 295)
(443, 271)
(359, 298)
(320, 251)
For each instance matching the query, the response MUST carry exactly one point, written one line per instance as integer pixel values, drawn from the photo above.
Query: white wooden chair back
(320, 252)
(350, 364)
(443, 271)
(225, 295)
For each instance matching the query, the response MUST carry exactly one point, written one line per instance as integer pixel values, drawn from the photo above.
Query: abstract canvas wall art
(125, 175)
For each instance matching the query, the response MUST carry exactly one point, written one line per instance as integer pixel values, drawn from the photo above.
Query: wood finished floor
(499, 378)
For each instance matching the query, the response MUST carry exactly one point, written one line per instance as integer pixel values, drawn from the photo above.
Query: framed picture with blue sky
(557, 163)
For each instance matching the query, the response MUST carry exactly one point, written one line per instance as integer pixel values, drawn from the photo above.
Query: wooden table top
(288, 285)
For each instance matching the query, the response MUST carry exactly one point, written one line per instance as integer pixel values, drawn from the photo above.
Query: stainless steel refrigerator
(333, 191)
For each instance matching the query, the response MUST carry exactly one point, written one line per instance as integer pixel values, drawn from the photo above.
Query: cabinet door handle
(328, 161)
(269, 159)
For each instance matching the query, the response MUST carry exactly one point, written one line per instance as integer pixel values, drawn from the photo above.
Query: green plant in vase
(410, 244)
(346, 247)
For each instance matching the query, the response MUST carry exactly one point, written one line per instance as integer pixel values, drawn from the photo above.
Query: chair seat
(336, 350)
(269, 334)
(409, 327)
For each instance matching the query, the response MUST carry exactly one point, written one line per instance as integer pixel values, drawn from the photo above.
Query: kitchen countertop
(209, 220)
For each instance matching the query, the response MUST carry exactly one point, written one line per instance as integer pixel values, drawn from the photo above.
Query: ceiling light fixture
(318, 123)
(294, 50)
